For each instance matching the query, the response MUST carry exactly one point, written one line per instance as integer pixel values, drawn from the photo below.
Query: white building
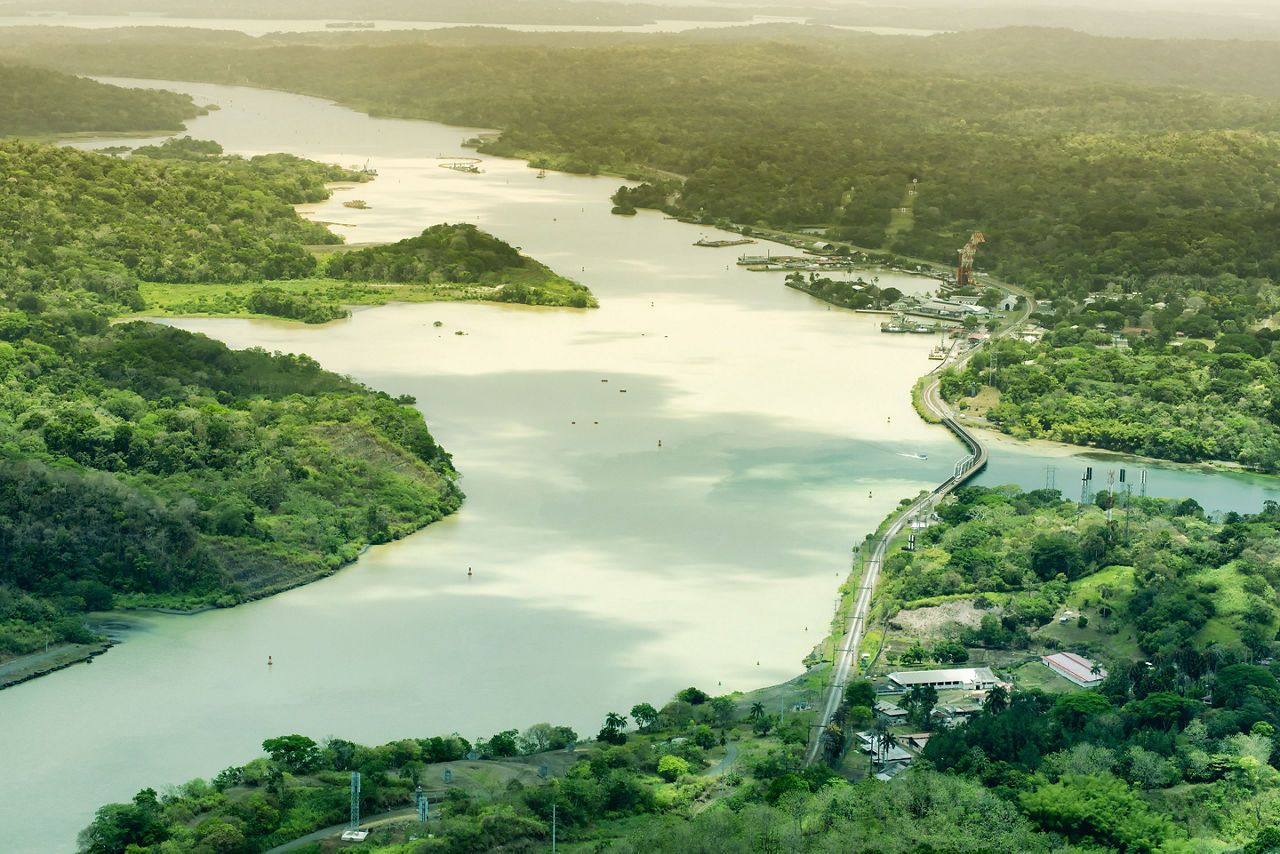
(963, 678)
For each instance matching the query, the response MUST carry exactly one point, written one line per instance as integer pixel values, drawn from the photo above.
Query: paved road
(855, 628)
(730, 754)
(337, 829)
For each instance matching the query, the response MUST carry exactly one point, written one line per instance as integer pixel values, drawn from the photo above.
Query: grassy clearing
(1035, 674)
(229, 300)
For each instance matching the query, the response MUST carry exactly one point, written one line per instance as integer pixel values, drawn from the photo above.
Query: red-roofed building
(1078, 669)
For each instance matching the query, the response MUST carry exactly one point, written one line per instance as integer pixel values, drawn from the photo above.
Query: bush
(672, 767)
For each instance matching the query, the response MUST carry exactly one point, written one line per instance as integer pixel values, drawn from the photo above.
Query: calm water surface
(661, 493)
(266, 26)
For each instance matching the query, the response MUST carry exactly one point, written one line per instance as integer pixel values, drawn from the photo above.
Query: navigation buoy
(659, 443)
(268, 661)
(468, 572)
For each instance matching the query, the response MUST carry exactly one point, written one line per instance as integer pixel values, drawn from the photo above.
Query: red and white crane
(964, 270)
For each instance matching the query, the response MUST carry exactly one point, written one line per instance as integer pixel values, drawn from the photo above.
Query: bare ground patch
(937, 621)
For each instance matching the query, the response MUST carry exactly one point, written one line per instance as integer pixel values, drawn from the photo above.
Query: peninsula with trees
(144, 466)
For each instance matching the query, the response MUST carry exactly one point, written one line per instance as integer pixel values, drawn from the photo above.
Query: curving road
(966, 468)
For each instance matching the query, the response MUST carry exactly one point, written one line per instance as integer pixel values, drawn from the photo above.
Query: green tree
(298, 753)
(1236, 683)
(1102, 810)
(1052, 554)
(860, 693)
(1074, 710)
(919, 702)
(997, 700)
(118, 827)
(671, 767)
(645, 716)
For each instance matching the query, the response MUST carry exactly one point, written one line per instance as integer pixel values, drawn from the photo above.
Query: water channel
(662, 492)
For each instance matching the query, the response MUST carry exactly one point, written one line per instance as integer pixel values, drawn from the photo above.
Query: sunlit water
(267, 26)
(662, 492)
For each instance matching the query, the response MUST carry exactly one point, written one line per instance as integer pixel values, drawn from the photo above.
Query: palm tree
(997, 700)
(615, 721)
(833, 742)
(757, 711)
(879, 741)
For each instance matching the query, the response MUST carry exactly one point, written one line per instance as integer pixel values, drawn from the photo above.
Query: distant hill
(38, 101)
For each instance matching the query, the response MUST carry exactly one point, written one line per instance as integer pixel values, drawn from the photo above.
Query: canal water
(662, 492)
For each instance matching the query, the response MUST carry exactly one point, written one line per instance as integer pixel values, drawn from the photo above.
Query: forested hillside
(95, 223)
(1179, 368)
(145, 465)
(37, 101)
(1174, 751)
(1075, 179)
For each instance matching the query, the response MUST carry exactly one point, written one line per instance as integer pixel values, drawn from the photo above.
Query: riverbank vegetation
(1139, 765)
(1176, 743)
(1153, 578)
(459, 261)
(39, 102)
(1144, 179)
(143, 465)
(436, 266)
(651, 787)
(1184, 370)
(1174, 750)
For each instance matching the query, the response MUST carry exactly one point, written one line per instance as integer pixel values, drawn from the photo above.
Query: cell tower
(355, 801)
(1085, 480)
(964, 270)
(1128, 496)
(1111, 480)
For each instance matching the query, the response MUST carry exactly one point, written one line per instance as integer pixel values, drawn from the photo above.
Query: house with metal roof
(1076, 668)
(963, 678)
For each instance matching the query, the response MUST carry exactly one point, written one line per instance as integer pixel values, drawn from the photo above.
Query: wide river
(662, 492)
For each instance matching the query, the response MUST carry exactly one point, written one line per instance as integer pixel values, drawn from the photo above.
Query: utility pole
(1111, 477)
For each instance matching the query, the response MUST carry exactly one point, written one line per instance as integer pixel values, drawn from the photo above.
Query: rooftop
(969, 675)
(1074, 666)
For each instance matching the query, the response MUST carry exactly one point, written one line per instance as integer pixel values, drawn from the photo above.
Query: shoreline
(28, 667)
